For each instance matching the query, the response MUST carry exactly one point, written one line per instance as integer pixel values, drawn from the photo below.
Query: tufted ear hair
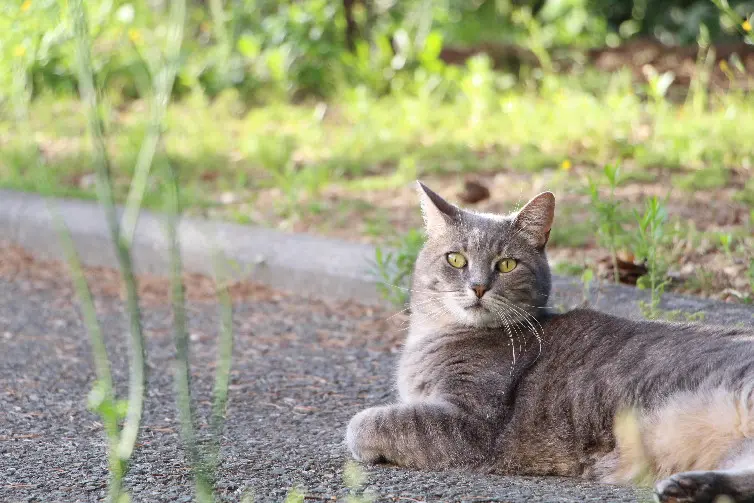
(437, 212)
(535, 219)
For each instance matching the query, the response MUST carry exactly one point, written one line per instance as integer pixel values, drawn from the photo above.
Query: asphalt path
(301, 369)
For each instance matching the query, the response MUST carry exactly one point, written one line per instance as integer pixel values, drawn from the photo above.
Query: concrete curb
(306, 264)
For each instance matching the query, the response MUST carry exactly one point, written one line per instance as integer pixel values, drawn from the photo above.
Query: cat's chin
(477, 316)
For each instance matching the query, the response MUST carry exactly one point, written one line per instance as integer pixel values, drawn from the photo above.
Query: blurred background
(316, 116)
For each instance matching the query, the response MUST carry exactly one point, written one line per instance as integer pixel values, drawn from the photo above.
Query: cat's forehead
(482, 231)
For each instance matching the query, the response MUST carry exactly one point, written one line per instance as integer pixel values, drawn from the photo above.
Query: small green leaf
(432, 47)
(249, 46)
(295, 495)
(587, 276)
(353, 475)
(121, 409)
(97, 396)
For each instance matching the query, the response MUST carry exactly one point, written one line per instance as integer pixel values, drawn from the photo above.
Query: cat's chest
(466, 369)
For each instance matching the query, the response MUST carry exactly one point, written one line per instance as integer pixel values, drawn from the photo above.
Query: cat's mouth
(476, 306)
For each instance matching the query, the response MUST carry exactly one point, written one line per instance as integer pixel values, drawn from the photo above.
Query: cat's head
(482, 270)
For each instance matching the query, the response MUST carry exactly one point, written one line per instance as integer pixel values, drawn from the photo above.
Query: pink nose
(479, 290)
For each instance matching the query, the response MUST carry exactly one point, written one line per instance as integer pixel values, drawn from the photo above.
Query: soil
(698, 264)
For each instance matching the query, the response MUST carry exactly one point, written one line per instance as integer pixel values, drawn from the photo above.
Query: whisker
(510, 335)
(416, 304)
(507, 326)
(527, 317)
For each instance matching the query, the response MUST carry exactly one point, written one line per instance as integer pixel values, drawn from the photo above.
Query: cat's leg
(735, 480)
(428, 435)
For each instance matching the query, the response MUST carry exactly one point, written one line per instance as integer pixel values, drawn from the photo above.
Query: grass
(608, 215)
(274, 165)
(301, 149)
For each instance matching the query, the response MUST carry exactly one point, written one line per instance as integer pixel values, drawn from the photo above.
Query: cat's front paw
(361, 437)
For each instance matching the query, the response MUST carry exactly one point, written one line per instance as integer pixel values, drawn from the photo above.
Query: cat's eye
(456, 260)
(506, 265)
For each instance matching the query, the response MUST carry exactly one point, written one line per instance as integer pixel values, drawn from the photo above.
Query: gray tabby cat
(490, 380)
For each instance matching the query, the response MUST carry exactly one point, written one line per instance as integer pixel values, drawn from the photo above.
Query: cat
(492, 380)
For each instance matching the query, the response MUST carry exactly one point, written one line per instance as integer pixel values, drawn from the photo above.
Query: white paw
(357, 437)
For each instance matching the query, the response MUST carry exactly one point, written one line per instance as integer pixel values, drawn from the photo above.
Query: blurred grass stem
(137, 366)
(162, 90)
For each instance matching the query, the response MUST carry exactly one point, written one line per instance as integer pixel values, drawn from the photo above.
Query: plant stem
(202, 480)
(137, 367)
(163, 87)
(614, 256)
(99, 351)
(222, 373)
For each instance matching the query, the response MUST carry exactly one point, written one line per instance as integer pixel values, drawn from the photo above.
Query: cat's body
(490, 380)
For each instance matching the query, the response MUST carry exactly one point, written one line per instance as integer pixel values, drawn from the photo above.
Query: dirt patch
(699, 263)
(378, 328)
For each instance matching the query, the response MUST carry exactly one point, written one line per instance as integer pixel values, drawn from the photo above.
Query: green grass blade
(163, 87)
(137, 366)
(84, 294)
(222, 372)
(202, 479)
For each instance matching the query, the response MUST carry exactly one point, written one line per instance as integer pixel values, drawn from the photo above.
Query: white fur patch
(697, 430)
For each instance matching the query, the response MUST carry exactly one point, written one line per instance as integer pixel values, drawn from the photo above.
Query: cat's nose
(479, 290)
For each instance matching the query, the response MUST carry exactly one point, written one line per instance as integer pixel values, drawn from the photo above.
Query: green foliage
(102, 399)
(648, 241)
(586, 281)
(268, 49)
(121, 439)
(610, 218)
(394, 264)
(568, 268)
(737, 17)
(726, 239)
(704, 178)
(354, 478)
(295, 495)
(674, 21)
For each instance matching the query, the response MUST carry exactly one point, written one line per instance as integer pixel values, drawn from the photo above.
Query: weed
(295, 495)
(566, 268)
(725, 240)
(648, 242)
(122, 440)
(354, 478)
(586, 281)
(102, 400)
(609, 216)
(628, 435)
(394, 264)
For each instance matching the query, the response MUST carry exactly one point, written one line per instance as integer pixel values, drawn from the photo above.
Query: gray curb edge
(301, 263)
(310, 265)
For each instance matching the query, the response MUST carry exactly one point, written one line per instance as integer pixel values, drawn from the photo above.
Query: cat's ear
(535, 219)
(437, 212)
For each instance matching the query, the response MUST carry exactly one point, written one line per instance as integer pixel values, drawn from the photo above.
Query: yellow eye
(506, 265)
(456, 260)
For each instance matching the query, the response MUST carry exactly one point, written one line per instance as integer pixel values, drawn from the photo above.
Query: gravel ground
(301, 369)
